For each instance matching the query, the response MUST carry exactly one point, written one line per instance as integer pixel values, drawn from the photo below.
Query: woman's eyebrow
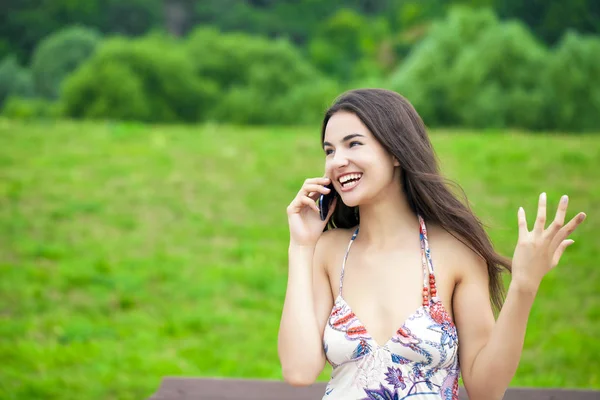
(345, 139)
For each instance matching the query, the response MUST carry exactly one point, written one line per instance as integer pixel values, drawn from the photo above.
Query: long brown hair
(397, 126)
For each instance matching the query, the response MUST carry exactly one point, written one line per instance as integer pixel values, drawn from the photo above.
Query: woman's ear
(396, 162)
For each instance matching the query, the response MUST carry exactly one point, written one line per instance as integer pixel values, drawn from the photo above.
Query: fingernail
(543, 196)
(582, 217)
(564, 199)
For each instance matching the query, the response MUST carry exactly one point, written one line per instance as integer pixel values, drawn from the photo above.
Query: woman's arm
(308, 298)
(490, 351)
(308, 301)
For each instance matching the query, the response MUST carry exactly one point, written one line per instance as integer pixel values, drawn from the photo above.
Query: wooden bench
(172, 388)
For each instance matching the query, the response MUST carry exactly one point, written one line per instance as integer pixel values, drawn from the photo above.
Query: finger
(314, 195)
(294, 207)
(323, 180)
(540, 221)
(559, 218)
(331, 208)
(310, 188)
(299, 203)
(569, 228)
(522, 221)
(307, 201)
(559, 252)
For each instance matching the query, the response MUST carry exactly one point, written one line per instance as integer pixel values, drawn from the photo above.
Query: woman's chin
(351, 201)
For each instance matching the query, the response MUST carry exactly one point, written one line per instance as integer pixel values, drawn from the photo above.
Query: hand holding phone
(304, 215)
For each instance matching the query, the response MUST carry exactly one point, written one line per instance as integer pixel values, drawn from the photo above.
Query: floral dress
(419, 362)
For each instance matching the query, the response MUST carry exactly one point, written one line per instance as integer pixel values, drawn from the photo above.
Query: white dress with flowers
(419, 362)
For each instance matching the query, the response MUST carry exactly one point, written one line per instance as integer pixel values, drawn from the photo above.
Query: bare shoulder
(331, 246)
(457, 254)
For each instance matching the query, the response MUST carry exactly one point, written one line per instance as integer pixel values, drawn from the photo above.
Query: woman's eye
(328, 152)
(354, 143)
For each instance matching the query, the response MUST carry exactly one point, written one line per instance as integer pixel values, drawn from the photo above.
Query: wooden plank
(175, 388)
(550, 394)
(229, 389)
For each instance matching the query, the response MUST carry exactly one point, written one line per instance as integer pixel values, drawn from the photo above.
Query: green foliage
(5, 48)
(106, 90)
(146, 79)
(344, 49)
(297, 20)
(259, 80)
(225, 77)
(14, 80)
(58, 55)
(338, 43)
(425, 76)
(495, 81)
(306, 103)
(549, 20)
(473, 70)
(30, 108)
(571, 79)
(29, 22)
(409, 13)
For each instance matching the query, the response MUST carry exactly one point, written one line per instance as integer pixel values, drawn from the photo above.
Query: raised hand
(303, 213)
(540, 250)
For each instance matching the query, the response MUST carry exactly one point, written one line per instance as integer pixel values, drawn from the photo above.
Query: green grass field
(131, 252)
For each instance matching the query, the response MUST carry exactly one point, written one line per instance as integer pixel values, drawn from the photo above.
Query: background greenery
(148, 150)
(131, 252)
(479, 63)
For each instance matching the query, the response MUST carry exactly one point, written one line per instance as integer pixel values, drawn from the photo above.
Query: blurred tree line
(23, 23)
(478, 63)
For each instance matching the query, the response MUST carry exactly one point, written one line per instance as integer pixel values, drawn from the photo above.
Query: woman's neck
(387, 221)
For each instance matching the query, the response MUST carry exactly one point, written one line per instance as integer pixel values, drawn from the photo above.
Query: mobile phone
(325, 201)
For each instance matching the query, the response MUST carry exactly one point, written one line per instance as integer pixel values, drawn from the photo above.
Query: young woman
(395, 289)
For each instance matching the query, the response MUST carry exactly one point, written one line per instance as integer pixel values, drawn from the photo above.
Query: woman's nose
(339, 160)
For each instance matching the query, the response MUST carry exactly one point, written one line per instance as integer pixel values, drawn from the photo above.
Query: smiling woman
(423, 275)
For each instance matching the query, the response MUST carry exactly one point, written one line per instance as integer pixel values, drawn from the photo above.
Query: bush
(106, 90)
(473, 70)
(30, 108)
(14, 80)
(344, 49)
(307, 103)
(571, 84)
(58, 55)
(148, 79)
(424, 77)
(496, 81)
(259, 79)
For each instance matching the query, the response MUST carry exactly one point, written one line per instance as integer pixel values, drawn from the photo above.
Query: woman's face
(358, 165)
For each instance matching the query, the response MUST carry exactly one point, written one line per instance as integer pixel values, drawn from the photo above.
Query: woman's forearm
(299, 342)
(497, 362)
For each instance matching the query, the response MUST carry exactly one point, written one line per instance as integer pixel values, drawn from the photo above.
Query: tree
(550, 19)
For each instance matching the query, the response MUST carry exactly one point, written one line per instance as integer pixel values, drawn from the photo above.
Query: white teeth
(349, 177)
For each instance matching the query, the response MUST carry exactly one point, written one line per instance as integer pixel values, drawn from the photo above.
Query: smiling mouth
(349, 181)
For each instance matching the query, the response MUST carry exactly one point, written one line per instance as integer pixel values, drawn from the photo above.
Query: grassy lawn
(130, 252)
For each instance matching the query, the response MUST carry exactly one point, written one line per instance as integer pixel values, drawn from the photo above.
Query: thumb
(560, 250)
(331, 208)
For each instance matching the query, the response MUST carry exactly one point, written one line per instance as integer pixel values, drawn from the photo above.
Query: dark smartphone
(325, 201)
